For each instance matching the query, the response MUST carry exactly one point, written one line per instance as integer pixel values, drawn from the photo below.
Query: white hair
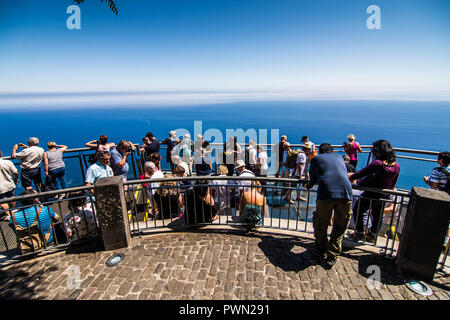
(176, 159)
(33, 141)
(149, 165)
(172, 133)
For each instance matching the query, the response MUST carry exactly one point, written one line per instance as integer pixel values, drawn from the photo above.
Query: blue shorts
(28, 176)
(8, 194)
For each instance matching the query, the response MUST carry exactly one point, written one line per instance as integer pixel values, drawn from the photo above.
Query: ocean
(406, 124)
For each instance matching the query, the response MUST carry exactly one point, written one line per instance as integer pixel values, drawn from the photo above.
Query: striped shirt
(26, 217)
(439, 177)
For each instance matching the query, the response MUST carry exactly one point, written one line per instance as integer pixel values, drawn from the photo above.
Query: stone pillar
(112, 212)
(422, 238)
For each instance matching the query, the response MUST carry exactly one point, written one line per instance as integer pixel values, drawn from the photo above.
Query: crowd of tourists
(206, 200)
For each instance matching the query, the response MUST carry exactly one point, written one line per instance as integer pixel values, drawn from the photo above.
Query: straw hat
(239, 164)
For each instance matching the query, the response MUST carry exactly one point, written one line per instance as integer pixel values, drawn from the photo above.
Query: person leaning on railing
(9, 176)
(30, 161)
(334, 193)
(101, 144)
(382, 173)
(54, 165)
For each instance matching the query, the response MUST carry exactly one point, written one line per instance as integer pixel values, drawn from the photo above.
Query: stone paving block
(385, 294)
(353, 294)
(125, 288)
(341, 294)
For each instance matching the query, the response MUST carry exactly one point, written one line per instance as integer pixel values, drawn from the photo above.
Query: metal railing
(77, 159)
(280, 213)
(47, 222)
(289, 206)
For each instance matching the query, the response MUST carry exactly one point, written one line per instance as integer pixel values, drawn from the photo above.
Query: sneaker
(330, 261)
(5, 217)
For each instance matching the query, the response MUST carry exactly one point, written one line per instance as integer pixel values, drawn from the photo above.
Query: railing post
(425, 227)
(112, 212)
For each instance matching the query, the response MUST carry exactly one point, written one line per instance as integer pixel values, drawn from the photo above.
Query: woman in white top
(262, 161)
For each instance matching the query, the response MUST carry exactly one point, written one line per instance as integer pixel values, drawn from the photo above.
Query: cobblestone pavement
(209, 265)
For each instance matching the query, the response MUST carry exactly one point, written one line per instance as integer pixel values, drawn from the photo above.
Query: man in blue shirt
(119, 157)
(100, 169)
(334, 192)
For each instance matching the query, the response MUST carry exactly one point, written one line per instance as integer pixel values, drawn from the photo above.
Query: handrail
(45, 194)
(405, 150)
(398, 192)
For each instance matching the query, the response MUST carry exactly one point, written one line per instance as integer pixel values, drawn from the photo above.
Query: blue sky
(292, 48)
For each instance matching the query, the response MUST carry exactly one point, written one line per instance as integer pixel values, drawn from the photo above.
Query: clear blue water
(417, 125)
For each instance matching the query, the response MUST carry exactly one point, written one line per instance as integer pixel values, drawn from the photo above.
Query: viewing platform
(166, 259)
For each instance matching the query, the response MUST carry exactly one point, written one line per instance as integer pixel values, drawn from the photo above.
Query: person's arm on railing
(359, 148)
(371, 168)
(46, 163)
(92, 144)
(62, 148)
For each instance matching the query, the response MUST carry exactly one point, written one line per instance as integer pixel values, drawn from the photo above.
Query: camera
(130, 149)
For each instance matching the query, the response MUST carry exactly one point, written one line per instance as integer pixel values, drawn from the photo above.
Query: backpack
(446, 188)
(252, 215)
(30, 238)
(291, 159)
(314, 152)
